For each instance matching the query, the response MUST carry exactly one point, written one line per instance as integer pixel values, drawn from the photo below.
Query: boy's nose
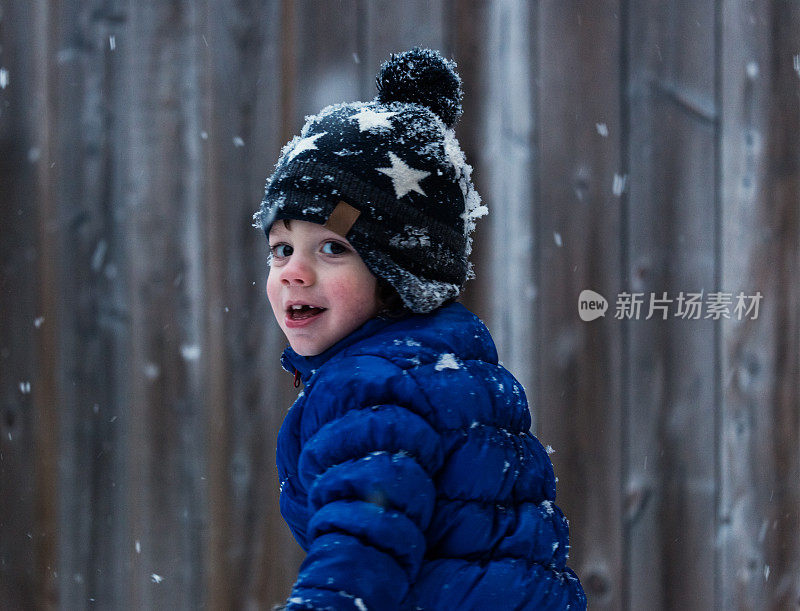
(297, 272)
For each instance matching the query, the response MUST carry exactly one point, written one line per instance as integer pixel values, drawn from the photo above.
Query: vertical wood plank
(760, 422)
(782, 542)
(508, 155)
(160, 193)
(327, 57)
(670, 459)
(46, 399)
(578, 392)
(467, 25)
(26, 474)
(91, 311)
(394, 27)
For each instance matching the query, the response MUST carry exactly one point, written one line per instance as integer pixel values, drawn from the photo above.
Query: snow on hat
(390, 177)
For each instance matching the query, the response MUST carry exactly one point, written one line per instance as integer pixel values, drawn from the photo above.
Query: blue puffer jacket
(409, 475)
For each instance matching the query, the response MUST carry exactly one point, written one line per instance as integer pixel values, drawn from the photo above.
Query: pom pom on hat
(422, 76)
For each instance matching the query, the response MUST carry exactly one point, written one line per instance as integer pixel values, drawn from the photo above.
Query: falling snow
(151, 371)
(3, 78)
(620, 182)
(156, 578)
(99, 255)
(602, 129)
(190, 352)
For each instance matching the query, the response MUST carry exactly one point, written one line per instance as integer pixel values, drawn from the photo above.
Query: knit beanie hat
(390, 177)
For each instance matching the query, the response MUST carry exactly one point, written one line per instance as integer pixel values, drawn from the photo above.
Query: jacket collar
(307, 365)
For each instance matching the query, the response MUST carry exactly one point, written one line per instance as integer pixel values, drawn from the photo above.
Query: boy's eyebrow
(276, 230)
(342, 219)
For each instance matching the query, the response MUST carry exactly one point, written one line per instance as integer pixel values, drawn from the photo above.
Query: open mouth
(302, 312)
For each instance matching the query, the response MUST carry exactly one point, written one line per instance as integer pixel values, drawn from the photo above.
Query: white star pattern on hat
(306, 144)
(369, 119)
(404, 178)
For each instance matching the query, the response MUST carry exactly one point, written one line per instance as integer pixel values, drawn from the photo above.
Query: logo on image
(591, 305)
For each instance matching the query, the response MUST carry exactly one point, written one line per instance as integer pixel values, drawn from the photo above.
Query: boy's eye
(333, 248)
(282, 250)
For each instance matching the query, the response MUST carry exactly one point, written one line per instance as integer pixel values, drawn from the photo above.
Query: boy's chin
(307, 352)
(311, 342)
(308, 347)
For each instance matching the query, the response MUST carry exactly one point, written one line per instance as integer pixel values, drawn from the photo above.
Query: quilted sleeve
(367, 466)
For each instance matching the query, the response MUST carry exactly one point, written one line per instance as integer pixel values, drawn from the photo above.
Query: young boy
(407, 469)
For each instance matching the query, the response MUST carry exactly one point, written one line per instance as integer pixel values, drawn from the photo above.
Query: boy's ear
(342, 219)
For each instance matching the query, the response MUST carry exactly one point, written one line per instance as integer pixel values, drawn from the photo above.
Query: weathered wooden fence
(645, 147)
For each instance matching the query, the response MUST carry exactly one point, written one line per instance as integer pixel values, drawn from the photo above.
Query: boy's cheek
(273, 295)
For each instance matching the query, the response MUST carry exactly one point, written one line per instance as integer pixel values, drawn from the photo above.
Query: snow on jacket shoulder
(409, 475)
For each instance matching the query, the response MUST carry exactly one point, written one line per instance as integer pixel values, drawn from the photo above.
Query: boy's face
(319, 288)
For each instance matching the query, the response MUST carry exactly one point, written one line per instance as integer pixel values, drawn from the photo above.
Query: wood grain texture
(760, 410)
(578, 395)
(472, 49)
(40, 115)
(510, 172)
(160, 158)
(25, 473)
(393, 27)
(670, 466)
(90, 286)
